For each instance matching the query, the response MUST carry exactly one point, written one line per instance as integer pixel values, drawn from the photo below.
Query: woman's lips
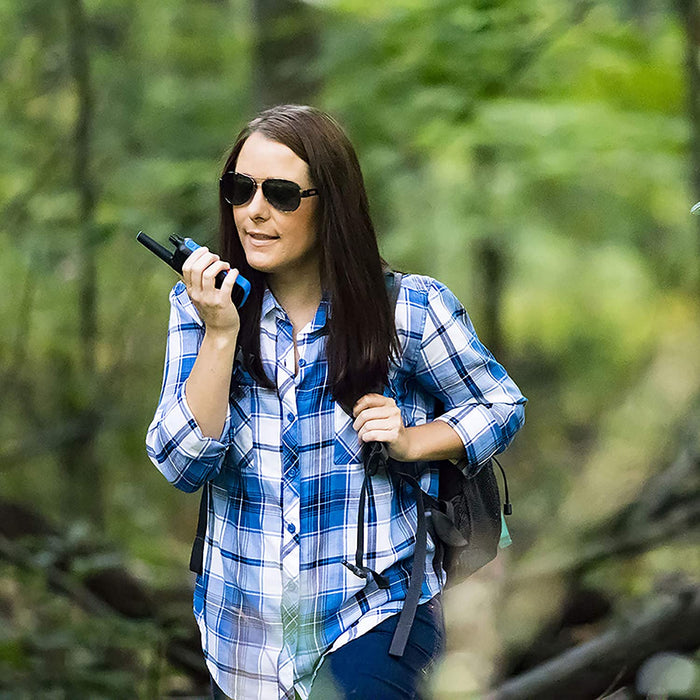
(259, 237)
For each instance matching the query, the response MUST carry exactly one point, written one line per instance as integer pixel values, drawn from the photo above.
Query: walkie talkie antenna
(155, 247)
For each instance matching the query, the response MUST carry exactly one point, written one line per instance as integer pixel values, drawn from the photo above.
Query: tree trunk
(83, 496)
(490, 259)
(285, 53)
(690, 18)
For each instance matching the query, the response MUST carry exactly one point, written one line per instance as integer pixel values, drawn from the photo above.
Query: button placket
(286, 387)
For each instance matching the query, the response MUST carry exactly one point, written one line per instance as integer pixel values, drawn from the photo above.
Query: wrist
(220, 339)
(409, 450)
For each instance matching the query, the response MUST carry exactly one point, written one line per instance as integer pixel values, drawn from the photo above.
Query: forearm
(207, 387)
(433, 441)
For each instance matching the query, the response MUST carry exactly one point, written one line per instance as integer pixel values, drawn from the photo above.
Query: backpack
(464, 521)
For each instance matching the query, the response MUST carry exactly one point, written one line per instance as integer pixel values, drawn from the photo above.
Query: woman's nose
(258, 207)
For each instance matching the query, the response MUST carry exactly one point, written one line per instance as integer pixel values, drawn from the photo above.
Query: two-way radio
(184, 247)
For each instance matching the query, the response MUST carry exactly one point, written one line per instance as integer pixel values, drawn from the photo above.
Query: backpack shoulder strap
(197, 554)
(375, 456)
(393, 279)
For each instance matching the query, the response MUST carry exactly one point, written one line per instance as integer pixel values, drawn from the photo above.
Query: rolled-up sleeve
(174, 442)
(481, 402)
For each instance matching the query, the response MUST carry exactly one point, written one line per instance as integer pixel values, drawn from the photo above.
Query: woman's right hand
(214, 305)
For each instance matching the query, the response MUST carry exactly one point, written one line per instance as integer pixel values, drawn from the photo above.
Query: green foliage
(558, 131)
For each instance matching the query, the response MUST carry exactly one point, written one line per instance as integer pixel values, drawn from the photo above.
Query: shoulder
(424, 291)
(181, 304)
(416, 294)
(424, 300)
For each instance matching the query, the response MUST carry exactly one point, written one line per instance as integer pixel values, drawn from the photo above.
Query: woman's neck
(299, 295)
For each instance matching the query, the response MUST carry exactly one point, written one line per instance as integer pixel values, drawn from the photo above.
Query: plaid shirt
(285, 478)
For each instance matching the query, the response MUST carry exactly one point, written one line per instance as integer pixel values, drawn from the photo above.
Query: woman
(268, 409)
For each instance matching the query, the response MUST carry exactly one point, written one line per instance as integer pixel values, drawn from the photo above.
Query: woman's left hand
(378, 419)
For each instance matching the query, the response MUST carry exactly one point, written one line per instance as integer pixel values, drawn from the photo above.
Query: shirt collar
(270, 305)
(270, 310)
(322, 313)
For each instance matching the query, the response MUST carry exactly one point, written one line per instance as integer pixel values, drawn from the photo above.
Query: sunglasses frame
(311, 192)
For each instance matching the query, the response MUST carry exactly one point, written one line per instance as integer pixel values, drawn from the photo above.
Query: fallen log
(595, 667)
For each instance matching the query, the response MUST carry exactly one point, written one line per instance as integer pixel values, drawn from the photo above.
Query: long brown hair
(361, 331)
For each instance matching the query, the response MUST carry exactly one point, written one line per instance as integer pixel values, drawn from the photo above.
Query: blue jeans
(363, 669)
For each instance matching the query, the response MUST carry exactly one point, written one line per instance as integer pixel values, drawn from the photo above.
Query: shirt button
(291, 528)
(293, 471)
(290, 417)
(302, 362)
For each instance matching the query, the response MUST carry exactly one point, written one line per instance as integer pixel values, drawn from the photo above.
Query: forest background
(539, 157)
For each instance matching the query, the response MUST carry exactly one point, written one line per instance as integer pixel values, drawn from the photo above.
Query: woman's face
(276, 242)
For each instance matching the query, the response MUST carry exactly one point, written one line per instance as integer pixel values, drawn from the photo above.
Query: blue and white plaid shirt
(285, 479)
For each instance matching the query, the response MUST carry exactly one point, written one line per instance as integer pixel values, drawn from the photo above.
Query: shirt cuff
(183, 454)
(484, 430)
(194, 445)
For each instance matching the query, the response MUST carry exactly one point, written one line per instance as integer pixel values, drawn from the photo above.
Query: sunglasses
(284, 195)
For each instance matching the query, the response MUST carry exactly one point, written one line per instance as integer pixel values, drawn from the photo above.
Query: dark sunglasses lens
(237, 189)
(282, 194)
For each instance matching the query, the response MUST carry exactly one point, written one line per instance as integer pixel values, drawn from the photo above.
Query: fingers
(388, 435)
(388, 431)
(371, 401)
(229, 281)
(194, 266)
(200, 270)
(377, 418)
(210, 272)
(376, 415)
(213, 305)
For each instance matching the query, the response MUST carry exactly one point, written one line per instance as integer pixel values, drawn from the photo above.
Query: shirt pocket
(346, 448)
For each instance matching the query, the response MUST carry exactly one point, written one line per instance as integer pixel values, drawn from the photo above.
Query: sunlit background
(540, 157)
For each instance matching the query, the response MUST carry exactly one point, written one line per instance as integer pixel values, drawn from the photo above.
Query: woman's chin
(260, 263)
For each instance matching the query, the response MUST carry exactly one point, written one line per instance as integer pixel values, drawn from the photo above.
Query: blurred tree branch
(683, 521)
(83, 180)
(59, 580)
(104, 591)
(47, 437)
(667, 508)
(492, 259)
